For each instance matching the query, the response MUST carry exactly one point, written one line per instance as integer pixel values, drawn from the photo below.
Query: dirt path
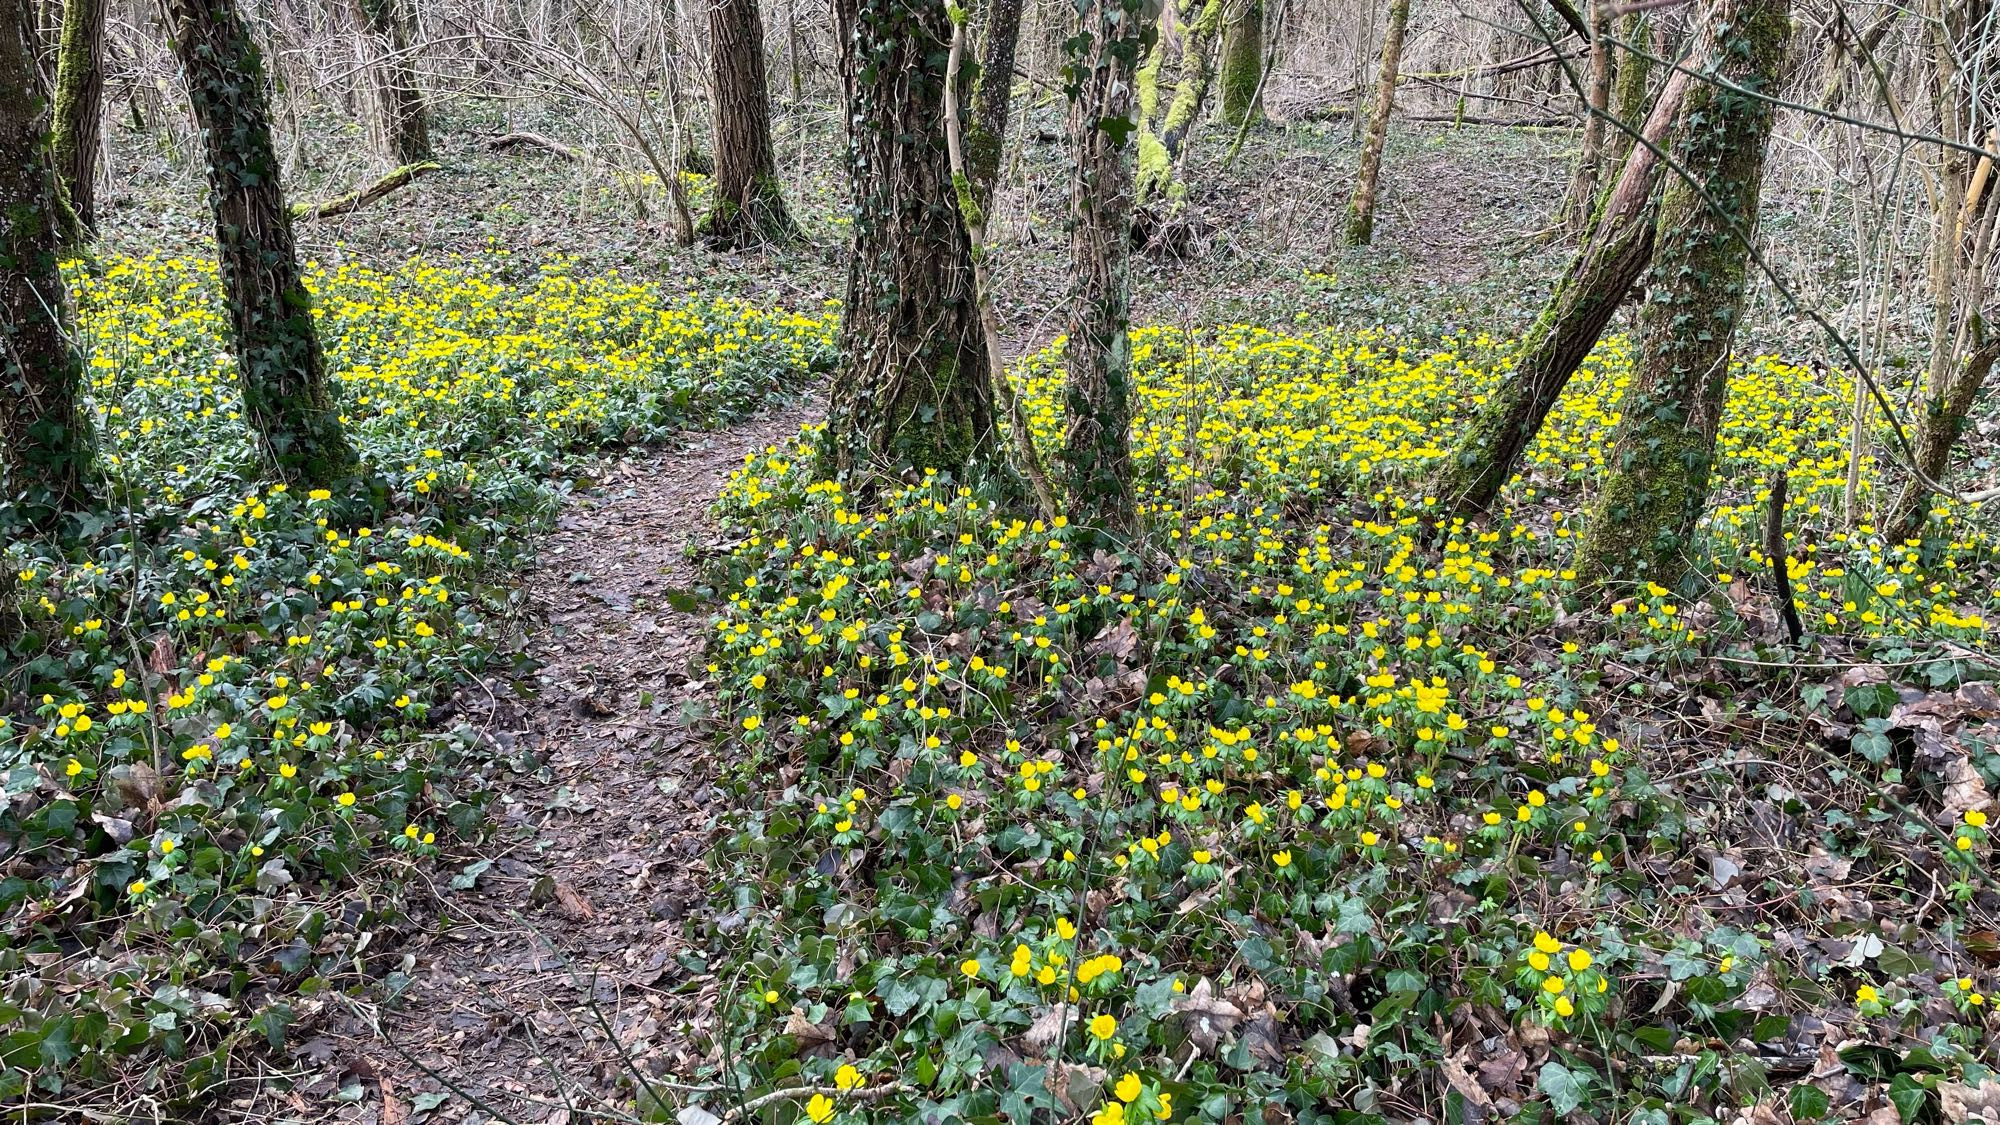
(570, 937)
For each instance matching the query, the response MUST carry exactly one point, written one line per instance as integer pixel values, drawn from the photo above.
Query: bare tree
(749, 204)
(1361, 210)
(1243, 62)
(986, 128)
(79, 114)
(399, 121)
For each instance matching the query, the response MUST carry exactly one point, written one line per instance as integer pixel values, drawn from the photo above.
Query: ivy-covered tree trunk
(913, 391)
(1361, 209)
(986, 125)
(1162, 149)
(45, 442)
(278, 360)
(78, 115)
(1103, 116)
(399, 120)
(1597, 281)
(1243, 62)
(749, 204)
(1645, 516)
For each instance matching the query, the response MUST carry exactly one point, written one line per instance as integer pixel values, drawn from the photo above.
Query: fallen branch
(535, 140)
(355, 200)
(1774, 546)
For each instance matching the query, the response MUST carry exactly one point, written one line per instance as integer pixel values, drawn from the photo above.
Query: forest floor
(566, 935)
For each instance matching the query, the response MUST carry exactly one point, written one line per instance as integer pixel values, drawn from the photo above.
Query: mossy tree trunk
(1243, 62)
(79, 115)
(913, 391)
(1361, 209)
(1664, 446)
(1103, 118)
(749, 204)
(1162, 149)
(1632, 84)
(279, 365)
(992, 95)
(399, 121)
(1597, 281)
(45, 444)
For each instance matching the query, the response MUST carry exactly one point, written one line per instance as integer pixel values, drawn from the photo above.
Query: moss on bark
(1242, 67)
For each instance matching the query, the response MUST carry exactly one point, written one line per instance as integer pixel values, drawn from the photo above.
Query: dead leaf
(1209, 1017)
(574, 904)
(1961, 1102)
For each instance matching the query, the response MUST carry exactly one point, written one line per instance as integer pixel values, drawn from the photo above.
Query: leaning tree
(278, 359)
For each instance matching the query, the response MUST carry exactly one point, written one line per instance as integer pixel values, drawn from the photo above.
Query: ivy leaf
(1564, 1087)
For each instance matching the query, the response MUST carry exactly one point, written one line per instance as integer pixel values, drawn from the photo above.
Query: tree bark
(1361, 209)
(913, 392)
(1664, 445)
(986, 126)
(1632, 85)
(79, 115)
(1597, 104)
(1103, 117)
(749, 205)
(1597, 282)
(399, 120)
(1243, 63)
(278, 360)
(45, 444)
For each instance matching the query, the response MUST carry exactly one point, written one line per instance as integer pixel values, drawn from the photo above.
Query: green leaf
(1809, 1102)
(1565, 1088)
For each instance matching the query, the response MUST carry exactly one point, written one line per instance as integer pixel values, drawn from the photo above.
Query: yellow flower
(820, 1109)
(752, 722)
(1283, 858)
(970, 967)
(1103, 1026)
(346, 800)
(1128, 1088)
(1553, 985)
(1578, 960)
(848, 1078)
(1975, 818)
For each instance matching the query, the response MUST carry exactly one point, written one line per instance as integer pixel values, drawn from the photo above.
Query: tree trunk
(78, 116)
(1103, 116)
(1664, 446)
(399, 121)
(45, 444)
(1361, 210)
(1162, 152)
(1599, 278)
(1243, 63)
(1945, 411)
(1631, 87)
(1590, 155)
(749, 205)
(913, 392)
(986, 128)
(278, 359)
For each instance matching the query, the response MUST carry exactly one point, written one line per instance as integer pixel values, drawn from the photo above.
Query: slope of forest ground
(1307, 808)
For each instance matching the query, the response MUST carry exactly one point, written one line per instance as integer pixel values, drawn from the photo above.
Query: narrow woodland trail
(569, 938)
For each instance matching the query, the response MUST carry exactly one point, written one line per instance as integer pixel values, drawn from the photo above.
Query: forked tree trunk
(278, 358)
(913, 391)
(78, 115)
(749, 204)
(1664, 446)
(986, 126)
(398, 118)
(1361, 209)
(1243, 62)
(44, 437)
(1103, 116)
(1599, 277)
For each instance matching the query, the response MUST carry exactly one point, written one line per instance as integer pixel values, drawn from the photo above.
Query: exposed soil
(569, 940)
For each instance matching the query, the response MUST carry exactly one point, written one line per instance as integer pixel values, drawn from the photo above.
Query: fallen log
(355, 200)
(535, 140)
